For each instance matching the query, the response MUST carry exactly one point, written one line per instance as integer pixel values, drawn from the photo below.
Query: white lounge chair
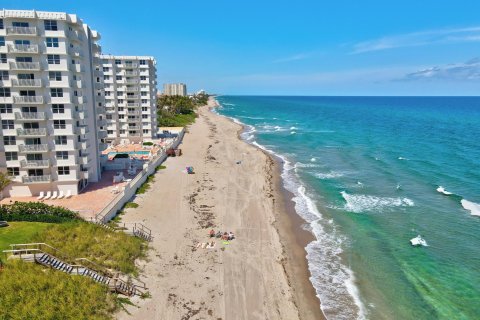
(41, 195)
(49, 194)
(54, 195)
(61, 195)
(69, 194)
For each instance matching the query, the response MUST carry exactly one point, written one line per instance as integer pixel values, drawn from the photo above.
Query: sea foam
(473, 207)
(358, 203)
(442, 190)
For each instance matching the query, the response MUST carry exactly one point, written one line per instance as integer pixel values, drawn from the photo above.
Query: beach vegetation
(36, 212)
(19, 232)
(5, 180)
(131, 205)
(178, 111)
(146, 185)
(27, 293)
(79, 239)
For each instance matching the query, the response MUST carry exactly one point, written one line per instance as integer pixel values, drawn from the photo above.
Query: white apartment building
(130, 97)
(51, 102)
(175, 89)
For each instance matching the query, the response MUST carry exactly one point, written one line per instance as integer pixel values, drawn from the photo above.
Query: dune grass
(115, 250)
(20, 232)
(28, 293)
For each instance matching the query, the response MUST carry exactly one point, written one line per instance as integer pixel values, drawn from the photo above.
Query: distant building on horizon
(175, 89)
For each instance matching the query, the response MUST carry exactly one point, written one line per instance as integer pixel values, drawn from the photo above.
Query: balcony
(77, 68)
(132, 81)
(25, 66)
(84, 161)
(131, 73)
(28, 99)
(34, 164)
(132, 89)
(133, 96)
(30, 116)
(82, 130)
(133, 104)
(133, 112)
(32, 132)
(37, 179)
(102, 134)
(22, 31)
(27, 83)
(79, 100)
(75, 36)
(23, 48)
(33, 148)
(134, 127)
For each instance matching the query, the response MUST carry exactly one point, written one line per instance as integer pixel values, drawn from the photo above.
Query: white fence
(111, 209)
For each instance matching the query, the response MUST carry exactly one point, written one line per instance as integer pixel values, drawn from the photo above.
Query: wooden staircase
(136, 229)
(46, 255)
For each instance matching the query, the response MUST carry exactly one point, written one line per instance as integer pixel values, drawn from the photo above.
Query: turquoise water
(365, 173)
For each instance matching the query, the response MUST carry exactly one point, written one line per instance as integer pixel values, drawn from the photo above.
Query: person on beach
(212, 233)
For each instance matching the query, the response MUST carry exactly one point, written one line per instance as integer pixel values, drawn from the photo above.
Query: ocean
(366, 174)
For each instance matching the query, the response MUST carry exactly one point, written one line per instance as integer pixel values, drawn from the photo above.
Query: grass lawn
(20, 232)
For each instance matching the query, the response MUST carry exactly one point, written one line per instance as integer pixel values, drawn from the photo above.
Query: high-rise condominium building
(51, 101)
(130, 97)
(175, 89)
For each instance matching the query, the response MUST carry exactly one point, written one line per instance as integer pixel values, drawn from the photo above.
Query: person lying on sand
(212, 233)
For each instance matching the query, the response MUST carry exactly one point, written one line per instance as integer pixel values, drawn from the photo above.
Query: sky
(368, 47)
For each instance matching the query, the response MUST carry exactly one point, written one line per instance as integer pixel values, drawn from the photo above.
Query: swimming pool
(111, 154)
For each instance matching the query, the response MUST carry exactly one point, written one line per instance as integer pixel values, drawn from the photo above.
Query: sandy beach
(261, 274)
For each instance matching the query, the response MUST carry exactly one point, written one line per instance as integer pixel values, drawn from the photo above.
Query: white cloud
(422, 38)
(468, 71)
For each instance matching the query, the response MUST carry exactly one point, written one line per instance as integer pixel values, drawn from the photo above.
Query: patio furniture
(49, 194)
(41, 195)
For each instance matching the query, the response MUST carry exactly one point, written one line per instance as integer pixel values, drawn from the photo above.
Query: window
(143, 62)
(27, 93)
(26, 76)
(143, 78)
(106, 69)
(9, 140)
(144, 101)
(22, 42)
(120, 109)
(119, 78)
(11, 156)
(106, 77)
(34, 157)
(107, 93)
(61, 140)
(109, 131)
(53, 58)
(35, 172)
(4, 92)
(5, 108)
(7, 124)
(144, 116)
(145, 130)
(3, 75)
(50, 25)
(62, 155)
(58, 108)
(29, 109)
(23, 59)
(52, 42)
(143, 93)
(13, 171)
(3, 58)
(118, 62)
(2, 41)
(55, 76)
(121, 116)
(56, 92)
(120, 101)
(20, 24)
(1, 23)
(63, 171)
(144, 109)
(59, 124)
(122, 131)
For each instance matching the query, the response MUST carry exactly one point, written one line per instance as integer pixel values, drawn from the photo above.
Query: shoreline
(293, 237)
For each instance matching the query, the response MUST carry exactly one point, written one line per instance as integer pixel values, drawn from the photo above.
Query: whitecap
(402, 158)
(329, 175)
(473, 207)
(293, 128)
(442, 190)
(358, 203)
(293, 132)
(313, 160)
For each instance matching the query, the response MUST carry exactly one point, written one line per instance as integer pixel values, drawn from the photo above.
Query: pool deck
(90, 201)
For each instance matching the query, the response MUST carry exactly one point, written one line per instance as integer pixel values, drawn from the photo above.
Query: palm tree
(4, 182)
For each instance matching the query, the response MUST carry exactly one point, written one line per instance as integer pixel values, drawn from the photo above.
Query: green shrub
(148, 143)
(36, 211)
(28, 293)
(160, 167)
(146, 185)
(131, 205)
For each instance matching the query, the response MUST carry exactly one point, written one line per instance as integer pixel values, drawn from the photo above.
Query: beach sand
(262, 274)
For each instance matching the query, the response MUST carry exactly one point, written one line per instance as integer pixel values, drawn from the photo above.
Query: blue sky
(368, 47)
